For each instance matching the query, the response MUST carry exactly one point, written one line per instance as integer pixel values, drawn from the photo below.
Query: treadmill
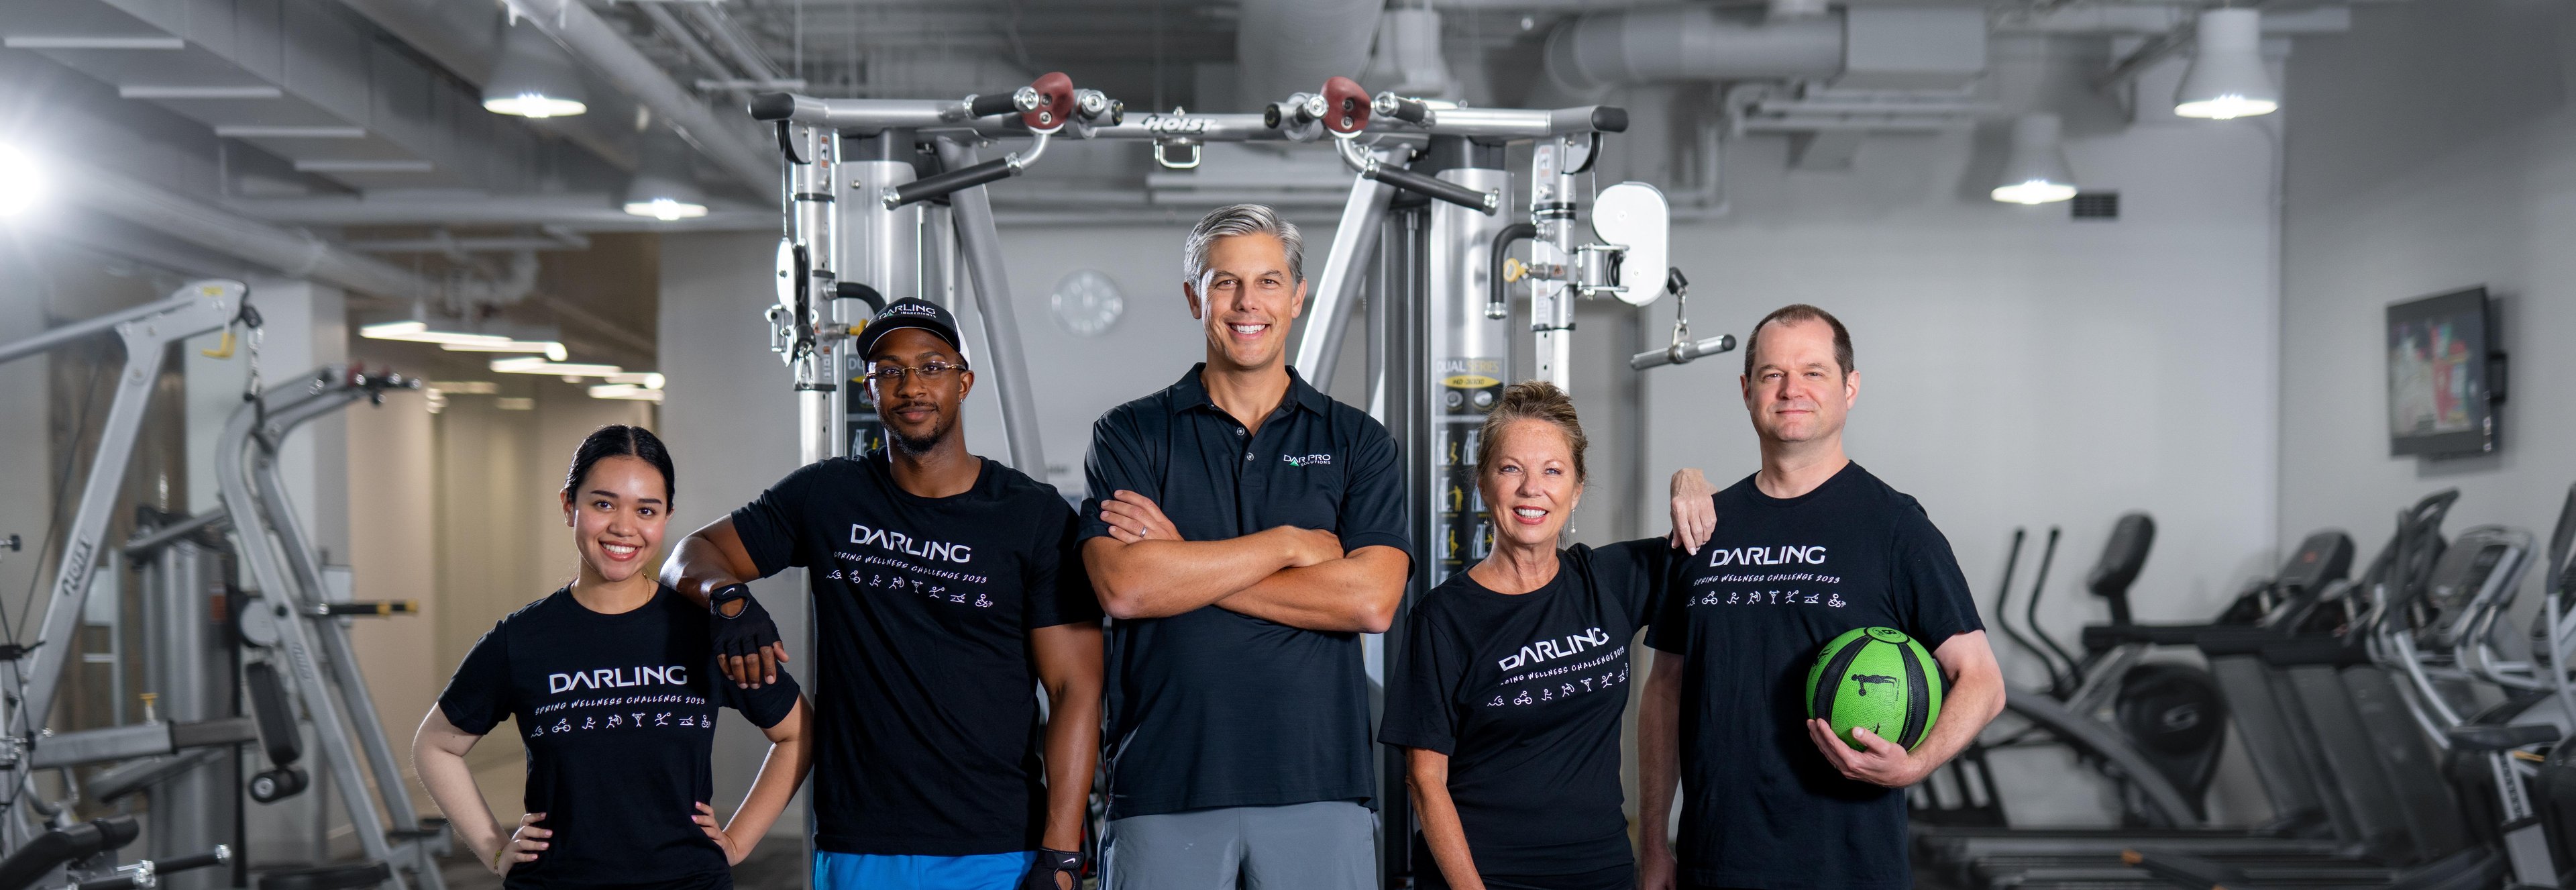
(2438, 637)
(2315, 745)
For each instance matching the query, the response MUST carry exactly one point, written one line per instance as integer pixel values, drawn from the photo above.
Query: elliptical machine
(2170, 716)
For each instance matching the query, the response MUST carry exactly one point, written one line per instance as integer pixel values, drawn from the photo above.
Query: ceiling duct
(1593, 54)
(296, 254)
(1408, 61)
(1293, 46)
(1868, 48)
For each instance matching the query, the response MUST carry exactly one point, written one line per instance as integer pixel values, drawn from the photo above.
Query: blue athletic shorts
(852, 871)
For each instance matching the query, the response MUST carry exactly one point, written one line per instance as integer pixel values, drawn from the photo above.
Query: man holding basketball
(1809, 547)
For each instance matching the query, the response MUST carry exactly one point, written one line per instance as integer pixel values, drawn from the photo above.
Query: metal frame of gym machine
(300, 620)
(166, 753)
(858, 231)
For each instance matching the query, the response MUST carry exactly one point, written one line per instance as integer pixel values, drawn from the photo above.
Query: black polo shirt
(1211, 708)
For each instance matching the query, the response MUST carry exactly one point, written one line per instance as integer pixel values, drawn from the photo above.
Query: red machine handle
(1346, 106)
(1055, 102)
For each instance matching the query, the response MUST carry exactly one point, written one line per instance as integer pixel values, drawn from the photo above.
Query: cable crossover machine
(1421, 241)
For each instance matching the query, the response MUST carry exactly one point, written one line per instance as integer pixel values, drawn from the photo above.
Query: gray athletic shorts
(1326, 845)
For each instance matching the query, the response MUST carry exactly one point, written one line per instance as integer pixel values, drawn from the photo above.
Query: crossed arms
(1291, 576)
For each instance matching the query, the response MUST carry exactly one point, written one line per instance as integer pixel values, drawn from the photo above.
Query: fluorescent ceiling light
(415, 331)
(645, 379)
(2227, 78)
(534, 77)
(22, 182)
(666, 209)
(535, 365)
(663, 187)
(534, 104)
(2036, 171)
(466, 387)
(552, 350)
(625, 391)
(192, 91)
(29, 41)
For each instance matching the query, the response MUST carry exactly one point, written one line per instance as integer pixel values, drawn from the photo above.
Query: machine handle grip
(773, 106)
(1681, 353)
(1482, 202)
(944, 183)
(989, 104)
(1411, 111)
(219, 855)
(373, 609)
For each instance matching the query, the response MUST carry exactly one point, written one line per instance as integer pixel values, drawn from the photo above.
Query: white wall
(2435, 150)
(729, 419)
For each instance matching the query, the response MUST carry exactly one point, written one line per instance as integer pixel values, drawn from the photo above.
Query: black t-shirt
(1212, 708)
(1781, 577)
(1524, 693)
(618, 713)
(925, 689)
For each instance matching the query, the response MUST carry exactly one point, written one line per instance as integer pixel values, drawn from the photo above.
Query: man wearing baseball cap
(945, 587)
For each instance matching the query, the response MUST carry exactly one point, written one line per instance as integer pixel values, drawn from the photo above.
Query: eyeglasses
(892, 375)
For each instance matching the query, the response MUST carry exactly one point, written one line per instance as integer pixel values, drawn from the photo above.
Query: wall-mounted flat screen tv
(2442, 365)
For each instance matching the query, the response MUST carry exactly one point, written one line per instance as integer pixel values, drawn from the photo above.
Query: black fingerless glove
(1047, 865)
(739, 630)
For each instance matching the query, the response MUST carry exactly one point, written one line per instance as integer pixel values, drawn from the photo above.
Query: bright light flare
(22, 181)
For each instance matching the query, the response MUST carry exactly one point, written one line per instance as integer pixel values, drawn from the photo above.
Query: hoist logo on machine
(1176, 125)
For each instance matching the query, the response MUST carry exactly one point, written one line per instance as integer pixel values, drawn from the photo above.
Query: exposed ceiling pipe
(727, 141)
(589, 213)
(1292, 46)
(1407, 60)
(690, 45)
(1590, 55)
(729, 38)
(441, 242)
(521, 281)
(296, 254)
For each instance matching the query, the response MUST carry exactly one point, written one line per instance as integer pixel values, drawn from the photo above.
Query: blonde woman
(1515, 672)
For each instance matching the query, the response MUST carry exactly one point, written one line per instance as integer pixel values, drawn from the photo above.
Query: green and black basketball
(1879, 678)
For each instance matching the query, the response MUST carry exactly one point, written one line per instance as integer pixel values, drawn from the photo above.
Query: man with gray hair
(1243, 530)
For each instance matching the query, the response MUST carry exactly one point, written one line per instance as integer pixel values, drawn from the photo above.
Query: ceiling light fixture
(2036, 171)
(417, 331)
(626, 391)
(2227, 79)
(530, 364)
(534, 77)
(552, 350)
(645, 379)
(21, 181)
(663, 187)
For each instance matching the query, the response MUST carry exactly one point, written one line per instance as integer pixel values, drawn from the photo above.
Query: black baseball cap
(909, 312)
